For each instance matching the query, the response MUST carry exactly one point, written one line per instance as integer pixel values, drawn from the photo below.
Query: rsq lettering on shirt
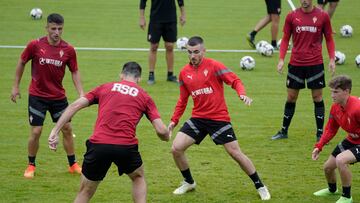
(125, 89)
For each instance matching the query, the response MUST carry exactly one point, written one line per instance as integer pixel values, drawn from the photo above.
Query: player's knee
(340, 162)
(154, 47)
(67, 130)
(169, 47)
(176, 151)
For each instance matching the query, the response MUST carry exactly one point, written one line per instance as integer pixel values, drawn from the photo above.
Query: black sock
(273, 43)
(32, 160)
(187, 175)
(253, 33)
(346, 192)
(255, 178)
(319, 111)
(288, 114)
(151, 75)
(170, 73)
(71, 159)
(332, 187)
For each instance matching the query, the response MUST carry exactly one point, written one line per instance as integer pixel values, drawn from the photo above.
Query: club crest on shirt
(314, 19)
(206, 72)
(61, 53)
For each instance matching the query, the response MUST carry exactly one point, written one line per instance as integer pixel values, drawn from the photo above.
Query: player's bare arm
(15, 92)
(65, 117)
(161, 129)
(142, 21)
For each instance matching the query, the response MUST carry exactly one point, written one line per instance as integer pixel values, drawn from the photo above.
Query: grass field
(285, 166)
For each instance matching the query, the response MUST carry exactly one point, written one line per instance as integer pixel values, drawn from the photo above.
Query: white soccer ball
(247, 63)
(181, 43)
(279, 44)
(260, 45)
(36, 13)
(346, 31)
(267, 50)
(339, 57)
(357, 61)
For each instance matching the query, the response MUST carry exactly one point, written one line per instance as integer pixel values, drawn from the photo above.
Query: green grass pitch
(285, 166)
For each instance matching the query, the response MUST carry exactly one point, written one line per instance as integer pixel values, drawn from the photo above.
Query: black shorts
(347, 145)
(273, 6)
(38, 106)
(168, 31)
(326, 1)
(98, 159)
(221, 132)
(314, 76)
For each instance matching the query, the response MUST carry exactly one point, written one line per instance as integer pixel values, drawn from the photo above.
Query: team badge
(61, 53)
(206, 72)
(314, 19)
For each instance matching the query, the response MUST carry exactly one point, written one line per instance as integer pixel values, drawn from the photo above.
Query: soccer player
(306, 25)
(332, 6)
(121, 106)
(49, 56)
(203, 79)
(163, 23)
(273, 9)
(344, 113)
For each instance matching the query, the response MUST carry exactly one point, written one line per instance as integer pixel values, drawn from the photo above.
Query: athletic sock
(332, 187)
(151, 75)
(71, 159)
(187, 175)
(253, 33)
(319, 111)
(288, 114)
(273, 43)
(346, 192)
(170, 73)
(255, 178)
(32, 160)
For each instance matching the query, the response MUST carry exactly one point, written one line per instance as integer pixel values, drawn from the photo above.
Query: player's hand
(354, 135)
(315, 154)
(53, 140)
(247, 100)
(171, 127)
(182, 19)
(280, 66)
(332, 66)
(15, 93)
(142, 23)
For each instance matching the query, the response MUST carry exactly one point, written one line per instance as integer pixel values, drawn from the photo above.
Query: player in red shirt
(49, 57)
(344, 113)
(307, 26)
(203, 79)
(121, 106)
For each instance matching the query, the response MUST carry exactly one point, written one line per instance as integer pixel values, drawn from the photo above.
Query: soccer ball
(248, 63)
(279, 44)
(260, 45)
(357, 61)
(267, 50)
(181, 43)
(339, 58)
(346, 31)
(36, 13)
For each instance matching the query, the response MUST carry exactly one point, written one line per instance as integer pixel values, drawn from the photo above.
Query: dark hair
(55, 18)
(341, 81)
(195, 40)
(132, 68)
